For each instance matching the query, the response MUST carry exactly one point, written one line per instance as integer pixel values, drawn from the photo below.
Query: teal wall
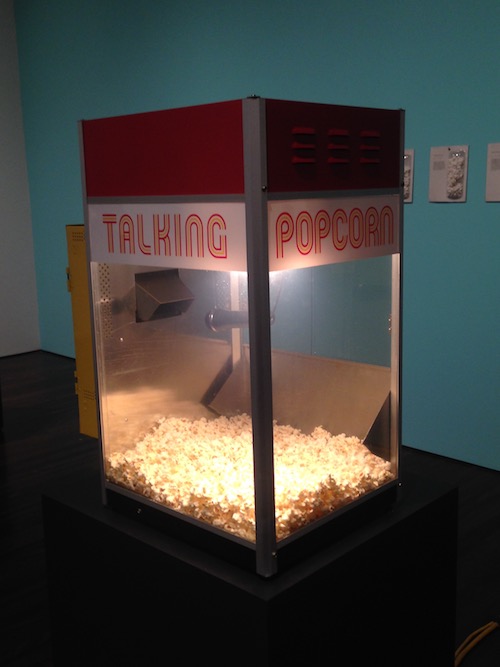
(434, 58)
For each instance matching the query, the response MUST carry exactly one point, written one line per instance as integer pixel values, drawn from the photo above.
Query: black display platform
(122, 593)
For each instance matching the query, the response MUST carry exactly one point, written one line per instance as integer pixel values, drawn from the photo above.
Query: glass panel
(331, 363)
(169, 342)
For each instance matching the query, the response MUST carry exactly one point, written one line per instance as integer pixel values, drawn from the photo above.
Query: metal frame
(259, 332)
(256, 198)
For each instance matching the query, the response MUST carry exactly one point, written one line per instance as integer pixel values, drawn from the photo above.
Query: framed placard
(448, 174)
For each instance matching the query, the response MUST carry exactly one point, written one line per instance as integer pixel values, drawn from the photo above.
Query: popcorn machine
(245, 278)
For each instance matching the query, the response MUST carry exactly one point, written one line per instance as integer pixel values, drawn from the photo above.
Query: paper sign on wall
(409, 158)
(493, 173)
(448, 174)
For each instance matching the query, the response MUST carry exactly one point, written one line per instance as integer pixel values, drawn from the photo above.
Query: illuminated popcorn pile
(204, 469)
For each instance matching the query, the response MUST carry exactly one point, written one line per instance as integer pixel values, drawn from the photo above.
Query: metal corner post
(254, 145)
(92, 310)
(397, 316)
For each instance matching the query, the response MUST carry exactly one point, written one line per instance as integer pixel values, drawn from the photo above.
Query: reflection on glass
(173, 363)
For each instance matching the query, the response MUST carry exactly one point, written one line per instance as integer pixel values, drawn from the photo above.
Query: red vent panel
(303, 145)
(314, 147)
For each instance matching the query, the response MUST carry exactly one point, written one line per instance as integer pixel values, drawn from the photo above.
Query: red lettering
(143, 247)
(347, 228)
(193, 223)
(161, 238)
(284, 232)
(356, 228)
(321, 229)
(164, 236)
(339, 239)
(386, 225)
(109, 219)
(372, 236)
(127, 235)
(216, 238)
(304, 234)
(178, 238)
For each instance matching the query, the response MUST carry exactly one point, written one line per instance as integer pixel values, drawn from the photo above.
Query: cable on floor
(473, 639)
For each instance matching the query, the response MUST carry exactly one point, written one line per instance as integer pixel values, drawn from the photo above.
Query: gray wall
(18, 299)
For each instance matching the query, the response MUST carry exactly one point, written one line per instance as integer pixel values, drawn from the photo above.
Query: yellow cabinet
(77, 280)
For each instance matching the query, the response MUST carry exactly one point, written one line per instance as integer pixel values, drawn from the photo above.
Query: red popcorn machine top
(245, 277)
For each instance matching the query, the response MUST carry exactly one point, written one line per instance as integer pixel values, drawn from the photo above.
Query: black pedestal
(122, 593)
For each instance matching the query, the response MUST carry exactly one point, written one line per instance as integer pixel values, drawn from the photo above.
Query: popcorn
(406, 178)
(455, 175)
(204, 469)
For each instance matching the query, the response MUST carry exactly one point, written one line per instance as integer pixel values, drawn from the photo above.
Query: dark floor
(40, 442)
